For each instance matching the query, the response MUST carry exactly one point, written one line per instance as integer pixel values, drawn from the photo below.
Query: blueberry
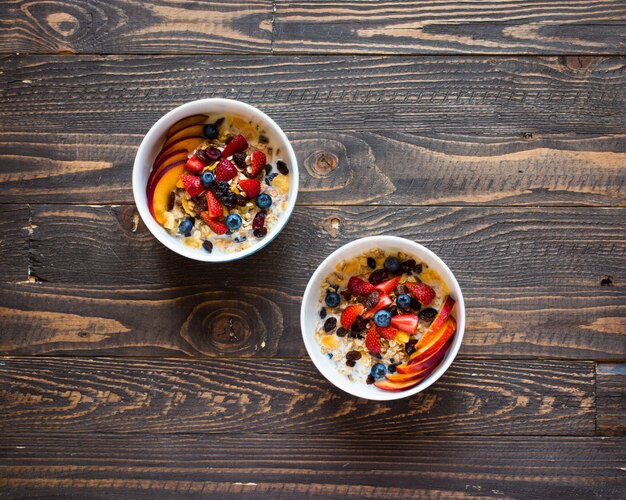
(233, 222)
(392, 265)
(186, 226)
(210, 131)
(207, 179)
(264, 200)
(332, 299)
(382, 318)
(378, 371)
(403, 301)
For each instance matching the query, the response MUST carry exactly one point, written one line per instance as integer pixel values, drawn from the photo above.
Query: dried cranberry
(378, 276)
(260, 233)
(212, 153)
(259, 221)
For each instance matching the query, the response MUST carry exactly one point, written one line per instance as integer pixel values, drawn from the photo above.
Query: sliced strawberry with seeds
(192, 184)
(213, 206)
(424, 293)
(349, 315)
(372, 342)
(216, 226)
(194, 164)
(358, 286)
(389, 285)
(405, 322)
(252, 187)
(225, 171)
(387, 332)
(258, 162)
(236, 145)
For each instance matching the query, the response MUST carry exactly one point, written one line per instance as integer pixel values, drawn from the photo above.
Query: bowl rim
(139, 188)
(341, 382)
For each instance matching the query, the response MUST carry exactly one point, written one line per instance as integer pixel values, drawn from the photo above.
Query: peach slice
(433, 360)
(388, 385)
(188, 143)
(439, 320)
(434, 342)
(159, 191)
(186, 122)
(178, 155)
(193, 131)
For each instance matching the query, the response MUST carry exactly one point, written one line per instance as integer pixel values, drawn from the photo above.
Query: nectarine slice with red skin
(435, 342)
(186, 122)
(159, 192)
(439, 320)
(434, 359)
(388, 385)
(181, 155)
(191, 131)
(163, 158)
(188, 143)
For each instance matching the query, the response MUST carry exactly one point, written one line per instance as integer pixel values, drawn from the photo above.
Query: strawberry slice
(349, 315)
(358, 286)
(214, 207)
(389, 285)
(258, 163)
(252, 187)
(216, 226)
(387, 332)
(405, 322)
(424, 293)
(192, 184)
(372, 343)
(225, 171)
(383, 302)
(236, 145)
(194, 164)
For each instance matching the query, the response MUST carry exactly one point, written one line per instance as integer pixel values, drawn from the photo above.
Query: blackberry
(330, 324)
(240, 159)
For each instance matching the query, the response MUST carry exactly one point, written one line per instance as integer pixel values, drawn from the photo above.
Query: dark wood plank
(283, 466)
(15, 232)
(389, 168)
(126, 27)
(534, 281)
(70, 395)
(434, 27)
(611, 399)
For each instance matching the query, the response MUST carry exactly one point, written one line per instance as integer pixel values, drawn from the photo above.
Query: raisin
(350, 363)
(372, 299)
(370, 379)
(378, 276)
(354, 355)
(427, 314)
(341, 332)
(171, 200)
(407, 266)
(371, 262)
(346, 294)
(282, 167)
(208, 246)
(322, 312)
(409, 347)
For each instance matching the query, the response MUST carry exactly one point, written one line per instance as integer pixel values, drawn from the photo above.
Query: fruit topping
(207, 179)
(192, 184)
(359, 287)
(264, 200)
(212, 153)
(382, 318)
(372, 299)
(403, 301)
(406, 322)
(258, 161)
(427, 314)
(322, 312)
(422, 292)
(186, 226)
(349, 315)
(252, 187)
(194, 164)
(332, 299)
(213, 206)
(259, 221)
(233, 222)
(216, 226)
(207, 245)
(371, 262)
(260, 233)
(330, 324)
(225, 171)
(372, 342)
(387, 332)
(378, 276)
(236, 145)
(392, 265)
(378, 371)
(389, 285)
(210, 131)
(270, 178)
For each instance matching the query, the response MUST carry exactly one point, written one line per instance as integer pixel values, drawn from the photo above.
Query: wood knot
(321, 163)
(332, 226)
(527, 136)
(607, 281)
(64, 23)
(227, 330)
(577, 63)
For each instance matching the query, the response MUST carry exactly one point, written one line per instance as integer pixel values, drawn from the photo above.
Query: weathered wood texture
(611, 399)
(75, 465)
(49, 395)
(125, 26)
(347, 168)
(15, 231)
(532, 277)
(397, 131)
(400, 27)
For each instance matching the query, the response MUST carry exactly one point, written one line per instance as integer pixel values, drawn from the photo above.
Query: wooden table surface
(492, 132)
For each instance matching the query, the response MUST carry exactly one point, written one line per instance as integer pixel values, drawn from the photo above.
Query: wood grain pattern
(123, 26)
(433, 27)
(15, 231)
(497, 97)
(283, 466)
(352, 167)
(135, 297)
(611, 399)
(52, 395)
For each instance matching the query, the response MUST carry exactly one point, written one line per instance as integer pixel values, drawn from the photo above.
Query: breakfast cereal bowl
(382, 318)
(215, 180)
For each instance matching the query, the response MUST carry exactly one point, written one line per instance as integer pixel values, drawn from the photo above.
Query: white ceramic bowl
(151, 146)
(309, 313)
